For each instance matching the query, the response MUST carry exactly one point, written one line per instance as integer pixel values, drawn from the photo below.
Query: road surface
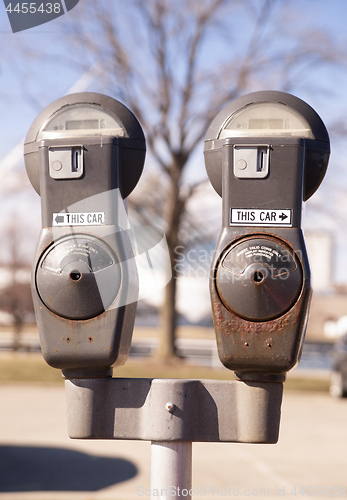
(38, 460)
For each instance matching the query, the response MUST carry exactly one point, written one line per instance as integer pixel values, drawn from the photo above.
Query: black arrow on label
(283, 216)
(59, 219)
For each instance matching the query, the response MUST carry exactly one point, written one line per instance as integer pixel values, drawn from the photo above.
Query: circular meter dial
(78, 277)
(259, 279)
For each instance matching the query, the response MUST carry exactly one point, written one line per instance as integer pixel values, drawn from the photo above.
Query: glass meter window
(81, 120)
(266, 119)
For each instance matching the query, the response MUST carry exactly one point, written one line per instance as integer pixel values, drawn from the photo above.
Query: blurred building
(320, 249)
(329, 302)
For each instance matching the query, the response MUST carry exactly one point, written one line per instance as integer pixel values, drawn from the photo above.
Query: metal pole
(171, 470)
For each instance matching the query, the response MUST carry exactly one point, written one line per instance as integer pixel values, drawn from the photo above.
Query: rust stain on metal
(241, 342)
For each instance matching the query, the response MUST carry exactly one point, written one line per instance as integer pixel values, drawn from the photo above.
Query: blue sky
(17, 111)
(18, 108)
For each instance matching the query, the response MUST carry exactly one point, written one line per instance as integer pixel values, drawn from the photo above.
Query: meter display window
(266, 119)
(81, 120)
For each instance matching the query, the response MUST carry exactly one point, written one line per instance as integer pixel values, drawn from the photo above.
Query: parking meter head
(88, 115)
(84, 154)
(265, 153)
(269, 114)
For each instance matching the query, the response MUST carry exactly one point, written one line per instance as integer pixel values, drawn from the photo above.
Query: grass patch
(25, 368)
(31, 368)
(307, 384)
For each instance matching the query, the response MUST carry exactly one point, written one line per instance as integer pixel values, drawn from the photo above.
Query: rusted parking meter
(84, 154)
(265, 153)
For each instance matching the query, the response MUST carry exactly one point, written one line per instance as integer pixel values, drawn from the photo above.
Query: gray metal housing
(174, 410)
(85, 311)
(261, 349)
(132, 148)
(317, 150)
(260, 324)
(88, 347)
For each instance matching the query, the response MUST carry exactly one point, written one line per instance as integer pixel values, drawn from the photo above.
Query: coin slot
(76, 160)
(261, 160)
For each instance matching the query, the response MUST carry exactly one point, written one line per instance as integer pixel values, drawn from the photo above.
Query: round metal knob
(259, 278)
(78, 277)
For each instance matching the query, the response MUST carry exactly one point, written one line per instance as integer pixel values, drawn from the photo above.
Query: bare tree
(15, 294)
(176, 63)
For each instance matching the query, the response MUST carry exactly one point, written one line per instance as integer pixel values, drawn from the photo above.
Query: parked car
(338, 378)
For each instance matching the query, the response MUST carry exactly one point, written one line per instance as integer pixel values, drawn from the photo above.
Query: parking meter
(84, 154)
(265, 153)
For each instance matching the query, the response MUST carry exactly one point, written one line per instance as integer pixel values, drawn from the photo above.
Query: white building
(320, 248)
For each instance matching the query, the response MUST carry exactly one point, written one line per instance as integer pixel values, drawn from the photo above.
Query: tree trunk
(168, 313)
(168, 320)
(17, 329)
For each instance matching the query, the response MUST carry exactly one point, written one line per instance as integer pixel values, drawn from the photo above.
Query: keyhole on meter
(258, 277)
(75, 275)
